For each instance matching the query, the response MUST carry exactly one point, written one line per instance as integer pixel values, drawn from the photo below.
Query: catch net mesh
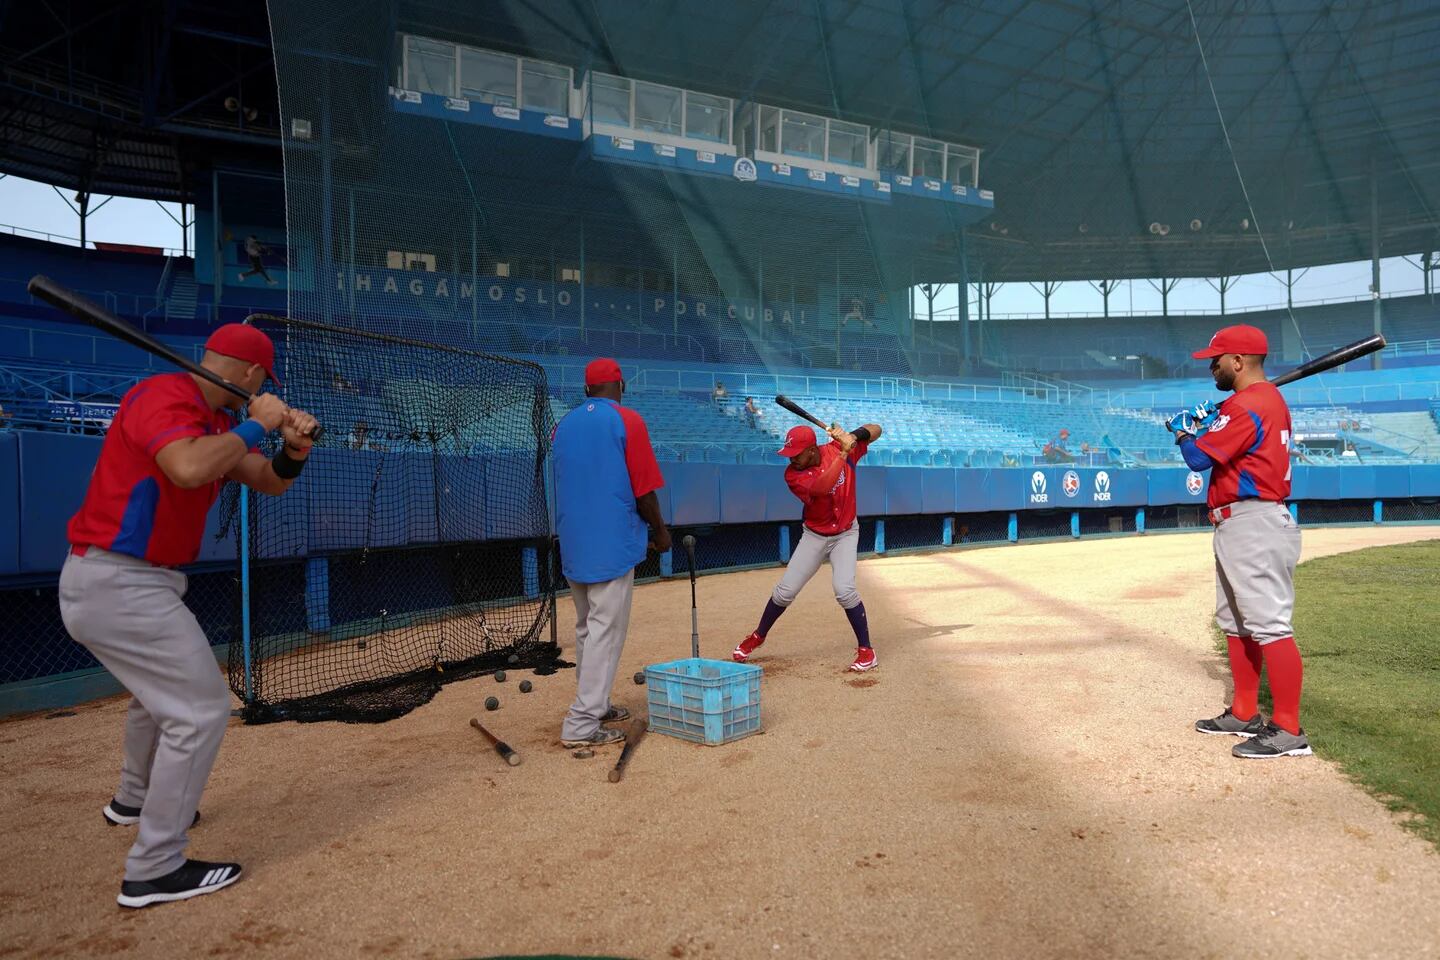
(415, 547)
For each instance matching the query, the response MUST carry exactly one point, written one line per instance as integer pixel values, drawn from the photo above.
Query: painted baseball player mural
(171, 447)
(1246, 447)
(823, 478)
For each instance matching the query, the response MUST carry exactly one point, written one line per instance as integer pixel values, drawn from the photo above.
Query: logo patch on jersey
(1221, 422)
(1070, 483)
(1037, 488)
(1194, 483)
(1102, 486)
(589, 408)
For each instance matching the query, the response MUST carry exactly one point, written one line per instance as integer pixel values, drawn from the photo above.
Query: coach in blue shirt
(607, 514)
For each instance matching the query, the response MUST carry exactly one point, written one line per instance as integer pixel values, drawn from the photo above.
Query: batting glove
(1203, 411)
(1182, 422)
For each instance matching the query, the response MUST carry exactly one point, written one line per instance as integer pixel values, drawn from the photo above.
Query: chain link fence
(34, 643)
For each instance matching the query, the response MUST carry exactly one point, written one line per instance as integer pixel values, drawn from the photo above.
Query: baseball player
(169, 450)
(1246, 446)
(824, 480)
(605, 482)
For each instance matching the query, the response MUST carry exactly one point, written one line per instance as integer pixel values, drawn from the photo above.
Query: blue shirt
(603, 464)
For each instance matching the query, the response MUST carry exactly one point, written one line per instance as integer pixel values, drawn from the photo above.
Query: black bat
(1332, 359)
(689, 544)
(632, 740)
(97, 316)
(501, 747)
(800, 411)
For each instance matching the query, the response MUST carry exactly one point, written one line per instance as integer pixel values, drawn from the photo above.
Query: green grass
(1368, 626)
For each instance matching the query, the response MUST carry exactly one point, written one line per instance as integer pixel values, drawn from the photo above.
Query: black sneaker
(615, 715)
(599, 738)
(1228, 723)
(193, 879)
(118, 814)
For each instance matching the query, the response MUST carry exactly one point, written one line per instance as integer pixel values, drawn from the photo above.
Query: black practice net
(415, 547)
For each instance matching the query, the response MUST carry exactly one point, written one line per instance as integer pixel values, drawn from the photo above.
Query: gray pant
(130, 615)
(602, 616)
(1256, 550)
(812, 551)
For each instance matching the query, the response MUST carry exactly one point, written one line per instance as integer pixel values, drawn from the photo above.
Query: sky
(37, 209)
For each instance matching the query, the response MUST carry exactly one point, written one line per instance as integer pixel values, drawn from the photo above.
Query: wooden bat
(800, 411)
(1332, 359)
(97, 316)
(501, 747)
(632, 740)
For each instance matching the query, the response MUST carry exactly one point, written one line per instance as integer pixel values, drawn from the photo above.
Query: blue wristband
(252, 432)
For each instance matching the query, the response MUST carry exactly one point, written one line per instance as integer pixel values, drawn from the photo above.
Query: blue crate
(704, 701)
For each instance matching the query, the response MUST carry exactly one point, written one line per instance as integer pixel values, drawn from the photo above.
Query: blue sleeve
(1195, 458)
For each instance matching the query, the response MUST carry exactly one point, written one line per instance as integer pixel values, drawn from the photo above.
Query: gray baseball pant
(130, 614)
(1256, 549)
(602, 616)
(812, 551)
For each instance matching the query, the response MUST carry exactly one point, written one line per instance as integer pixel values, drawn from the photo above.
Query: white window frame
(457, 77)
(631, 131)
(460, 74)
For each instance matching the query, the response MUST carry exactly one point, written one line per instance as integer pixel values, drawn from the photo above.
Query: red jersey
(832, 511)
(1249, 441)
(131, 506)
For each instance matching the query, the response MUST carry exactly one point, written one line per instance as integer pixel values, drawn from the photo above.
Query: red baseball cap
(1241, 338)
(797, 441)
(244, 342)
(603, 370)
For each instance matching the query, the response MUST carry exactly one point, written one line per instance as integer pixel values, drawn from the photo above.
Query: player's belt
(1225, 512)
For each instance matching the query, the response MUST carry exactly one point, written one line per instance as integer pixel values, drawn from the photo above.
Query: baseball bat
(632, 740)
(1333, 359)
(501, 747)
(689, 543)
(800, 411)
(97, 316)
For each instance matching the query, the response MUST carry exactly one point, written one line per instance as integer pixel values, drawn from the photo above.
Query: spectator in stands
(1055, 451)
(256, 250)
(1008, 460)
(721, 394)
(1349, 450)
(752, 413)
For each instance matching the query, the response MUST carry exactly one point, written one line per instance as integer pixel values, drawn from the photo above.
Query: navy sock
(768, 618)
(859, 624)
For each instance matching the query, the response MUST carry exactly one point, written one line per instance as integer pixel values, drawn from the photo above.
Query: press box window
(487, 77)
(657, 108)
(892, 152)
(929, 159)
(430, 66)
(545, 87)
(707, 117)
(803, 135)
(848, 142)
(609, 99)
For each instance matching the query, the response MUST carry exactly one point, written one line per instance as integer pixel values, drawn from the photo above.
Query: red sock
(1245, 661)
(1282, 660)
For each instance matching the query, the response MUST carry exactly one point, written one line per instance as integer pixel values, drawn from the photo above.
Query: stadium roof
(1097, 119)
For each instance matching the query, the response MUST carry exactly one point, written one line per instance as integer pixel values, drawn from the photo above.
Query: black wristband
(861, 435)
(285, 467)
(1181, 436)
